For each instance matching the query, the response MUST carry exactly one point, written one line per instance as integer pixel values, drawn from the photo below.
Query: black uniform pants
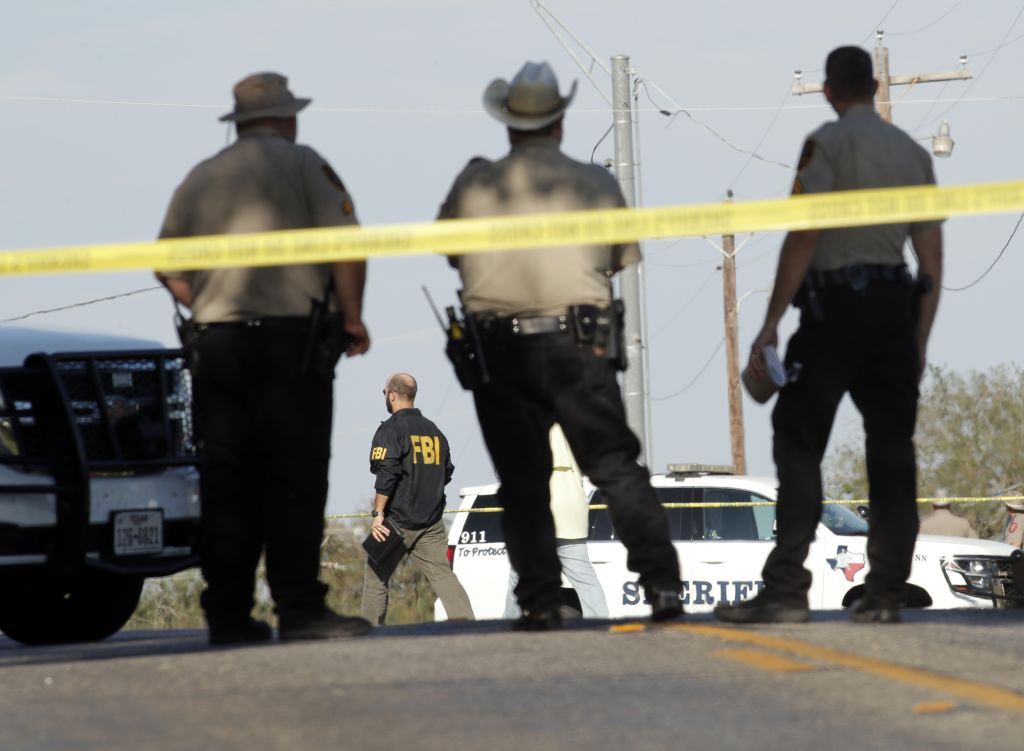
(264, 434)
(536, 381)
(864, 344)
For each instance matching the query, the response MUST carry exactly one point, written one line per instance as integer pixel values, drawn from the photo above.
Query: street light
(942, 143)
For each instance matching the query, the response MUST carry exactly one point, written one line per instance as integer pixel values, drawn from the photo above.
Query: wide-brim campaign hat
(263, 95)
(940, 503)
(1014, 505)
(530, 101)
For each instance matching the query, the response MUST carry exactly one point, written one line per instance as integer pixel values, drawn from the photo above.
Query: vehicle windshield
(841, 520)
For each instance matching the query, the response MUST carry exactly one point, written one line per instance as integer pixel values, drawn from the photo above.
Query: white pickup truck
(98, 481)
(723, 541)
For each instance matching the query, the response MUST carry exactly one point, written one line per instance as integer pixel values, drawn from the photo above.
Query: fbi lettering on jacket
(426, 449)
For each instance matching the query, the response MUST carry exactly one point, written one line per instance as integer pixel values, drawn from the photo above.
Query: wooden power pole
(883, 102)
(732, 353)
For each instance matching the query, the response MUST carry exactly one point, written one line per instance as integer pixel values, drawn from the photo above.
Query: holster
(602, 328)
(326, 340)
(189, 332)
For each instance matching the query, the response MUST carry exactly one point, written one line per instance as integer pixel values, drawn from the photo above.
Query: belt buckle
(538, 325)
(857, 277)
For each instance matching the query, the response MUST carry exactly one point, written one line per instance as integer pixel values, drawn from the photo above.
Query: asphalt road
(942, 680)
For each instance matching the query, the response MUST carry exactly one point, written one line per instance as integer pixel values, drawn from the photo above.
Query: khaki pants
(428, 549)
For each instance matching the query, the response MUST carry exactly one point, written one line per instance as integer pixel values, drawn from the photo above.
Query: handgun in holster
(326, 338)
(808, 300)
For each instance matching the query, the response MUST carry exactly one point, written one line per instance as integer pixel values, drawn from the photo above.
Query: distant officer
(1013, 533)
(546, 326)
(263, 377)
(412, 462)
(942, 521)
(864, 327)
(570, 508)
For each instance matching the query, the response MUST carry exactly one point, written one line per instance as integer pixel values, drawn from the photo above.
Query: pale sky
(107, 104)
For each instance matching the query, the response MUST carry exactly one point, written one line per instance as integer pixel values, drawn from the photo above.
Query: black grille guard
(73, 415)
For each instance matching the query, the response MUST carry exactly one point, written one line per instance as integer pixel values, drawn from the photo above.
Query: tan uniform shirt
(536, 177)
(1014, 534)
(568, 500)
(942, 521)
(260, 183)
(860, 151)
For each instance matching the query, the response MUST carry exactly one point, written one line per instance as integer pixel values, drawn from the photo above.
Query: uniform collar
(259, 131)
(860, 110)
(536, 142)
(406, 411)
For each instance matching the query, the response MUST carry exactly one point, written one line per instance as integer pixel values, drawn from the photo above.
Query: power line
(694, 379)
(689, 301)
(544, 14)
(982, 71)
(925, 28)
(680, 110)
(473, 111)
(996, 49)
(991, 265)
(600, 141)
(80, 304)
(771, 124)
(879, 24)
(931, 108)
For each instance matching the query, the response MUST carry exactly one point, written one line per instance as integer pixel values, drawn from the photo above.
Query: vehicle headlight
(971, 576)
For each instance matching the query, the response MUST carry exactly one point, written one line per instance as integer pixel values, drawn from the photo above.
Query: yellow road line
(971, 691)
(933, 707)
(755, 658)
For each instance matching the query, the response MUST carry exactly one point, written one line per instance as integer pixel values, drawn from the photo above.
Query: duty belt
(278, 322)
(860, 276)
(524, 325)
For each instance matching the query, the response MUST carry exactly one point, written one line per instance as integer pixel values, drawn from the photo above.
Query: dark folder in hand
(392, 545)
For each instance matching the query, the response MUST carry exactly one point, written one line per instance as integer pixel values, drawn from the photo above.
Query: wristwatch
(374, 514)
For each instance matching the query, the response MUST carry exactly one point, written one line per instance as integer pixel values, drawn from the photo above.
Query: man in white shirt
(570, 509)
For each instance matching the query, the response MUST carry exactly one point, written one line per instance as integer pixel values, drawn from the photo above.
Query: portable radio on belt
(463, 347)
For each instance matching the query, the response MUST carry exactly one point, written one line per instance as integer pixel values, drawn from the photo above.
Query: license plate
(138, 532)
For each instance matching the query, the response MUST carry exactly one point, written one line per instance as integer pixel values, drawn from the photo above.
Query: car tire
(88, 606)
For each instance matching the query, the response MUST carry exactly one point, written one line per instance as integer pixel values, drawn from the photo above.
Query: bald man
(412, 464)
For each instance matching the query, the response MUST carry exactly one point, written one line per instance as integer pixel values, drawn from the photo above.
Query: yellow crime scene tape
(738, 504)
(460, 236)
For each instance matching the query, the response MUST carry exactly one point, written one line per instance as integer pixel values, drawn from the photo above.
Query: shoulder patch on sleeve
(332, 177)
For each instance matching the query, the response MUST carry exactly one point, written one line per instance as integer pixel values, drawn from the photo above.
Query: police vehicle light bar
(696, 470)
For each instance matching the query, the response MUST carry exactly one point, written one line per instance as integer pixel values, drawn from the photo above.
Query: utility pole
(732, 353)
(886, 81)
(634, 383)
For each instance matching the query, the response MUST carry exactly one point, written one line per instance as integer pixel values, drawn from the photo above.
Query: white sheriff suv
(98, 481)
(723, 541)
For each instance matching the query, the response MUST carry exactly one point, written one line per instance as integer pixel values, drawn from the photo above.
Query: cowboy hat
(263, 95)
(531, 101)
